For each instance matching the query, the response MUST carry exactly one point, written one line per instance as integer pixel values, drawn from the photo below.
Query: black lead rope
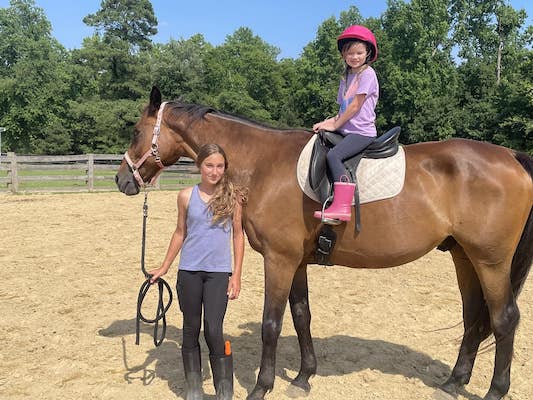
(161, 308)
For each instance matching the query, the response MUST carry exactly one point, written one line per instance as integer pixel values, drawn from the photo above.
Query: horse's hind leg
(504, 315)
(493, 276)
(301, 316)
(476, 320)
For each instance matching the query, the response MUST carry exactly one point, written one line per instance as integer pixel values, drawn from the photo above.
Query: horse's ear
(155, 99)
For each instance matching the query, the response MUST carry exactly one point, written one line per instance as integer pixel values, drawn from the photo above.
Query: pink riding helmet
(362, 33)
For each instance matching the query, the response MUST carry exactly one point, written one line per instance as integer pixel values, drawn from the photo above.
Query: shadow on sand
(333, 357)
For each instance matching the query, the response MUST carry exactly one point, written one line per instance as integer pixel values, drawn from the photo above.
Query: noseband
(152, 151)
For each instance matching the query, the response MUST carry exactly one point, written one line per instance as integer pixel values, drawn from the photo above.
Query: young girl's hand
(234, 287)
(326, 125)
(156, 274)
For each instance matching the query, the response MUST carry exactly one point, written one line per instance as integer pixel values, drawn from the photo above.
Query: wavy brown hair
(222, 202)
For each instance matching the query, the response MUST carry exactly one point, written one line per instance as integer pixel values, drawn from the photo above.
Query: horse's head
(155, 145)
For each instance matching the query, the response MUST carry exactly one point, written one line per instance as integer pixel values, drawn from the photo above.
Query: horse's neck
(247, 139)
(251, 148)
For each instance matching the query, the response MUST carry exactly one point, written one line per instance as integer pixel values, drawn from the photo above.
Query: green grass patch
(168, 181)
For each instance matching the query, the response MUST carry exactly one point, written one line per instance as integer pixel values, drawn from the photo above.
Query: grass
(168, 181)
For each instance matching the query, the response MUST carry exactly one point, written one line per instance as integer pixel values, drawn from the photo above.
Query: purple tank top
(206, 246)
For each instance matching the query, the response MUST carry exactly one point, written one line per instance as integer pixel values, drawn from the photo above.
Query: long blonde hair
(222, 202)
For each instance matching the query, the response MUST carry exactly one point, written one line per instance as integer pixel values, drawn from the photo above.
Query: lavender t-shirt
(366, 82)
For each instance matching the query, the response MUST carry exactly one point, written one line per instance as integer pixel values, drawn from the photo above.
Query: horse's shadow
(336, 355)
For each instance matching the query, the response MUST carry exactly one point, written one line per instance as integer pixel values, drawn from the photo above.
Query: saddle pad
(377, 179)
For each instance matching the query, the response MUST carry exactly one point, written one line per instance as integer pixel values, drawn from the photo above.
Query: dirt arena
(68, 301)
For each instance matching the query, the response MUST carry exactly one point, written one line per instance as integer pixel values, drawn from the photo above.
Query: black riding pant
(352, 144)
(197, 288)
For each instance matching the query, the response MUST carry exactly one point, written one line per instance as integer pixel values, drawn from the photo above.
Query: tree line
(447, 68)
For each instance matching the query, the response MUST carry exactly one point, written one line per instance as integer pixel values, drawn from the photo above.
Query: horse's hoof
(450, 387)
(257, 394)
(493, 396)
(442, 395)
(295, 392)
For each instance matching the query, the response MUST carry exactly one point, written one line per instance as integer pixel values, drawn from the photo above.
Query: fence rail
(79, 173)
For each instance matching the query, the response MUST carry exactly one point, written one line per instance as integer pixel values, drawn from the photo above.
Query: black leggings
(210, 289)
(352, 144)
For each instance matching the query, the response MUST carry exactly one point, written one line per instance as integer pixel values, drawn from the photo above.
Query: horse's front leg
(301, 316)
(278, 281)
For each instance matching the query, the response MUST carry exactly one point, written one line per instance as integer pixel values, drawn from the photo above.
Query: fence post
(12, 173)
(90, 171)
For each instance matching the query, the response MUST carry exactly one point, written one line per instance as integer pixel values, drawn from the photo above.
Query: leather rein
(161, 284)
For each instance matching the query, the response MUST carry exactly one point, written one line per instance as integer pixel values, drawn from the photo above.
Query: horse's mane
(196, 111)
(199, 111)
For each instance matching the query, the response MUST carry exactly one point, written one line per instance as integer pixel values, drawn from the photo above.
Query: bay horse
(471, 198)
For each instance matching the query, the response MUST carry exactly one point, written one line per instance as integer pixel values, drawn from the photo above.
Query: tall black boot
(192, 366)
(222, 367)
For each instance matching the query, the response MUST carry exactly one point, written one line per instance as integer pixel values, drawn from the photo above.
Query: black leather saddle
(383, 146)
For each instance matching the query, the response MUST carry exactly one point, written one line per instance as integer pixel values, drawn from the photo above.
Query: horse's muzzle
(126, 183)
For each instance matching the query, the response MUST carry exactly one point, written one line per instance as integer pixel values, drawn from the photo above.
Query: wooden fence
(79, 173)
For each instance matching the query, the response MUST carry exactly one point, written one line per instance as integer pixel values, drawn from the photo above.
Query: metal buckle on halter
(155, 153)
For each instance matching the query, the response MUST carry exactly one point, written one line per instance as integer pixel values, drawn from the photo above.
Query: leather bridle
(152, 151)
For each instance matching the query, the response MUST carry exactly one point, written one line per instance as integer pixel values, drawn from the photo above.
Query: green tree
(416, 70)
(243, 77)
(178, 68)
(319, 69)
(108, 87)
(33, 82)
(129, 21)
(514, 98)
(102, 126)
(495, 92)
(116, 51)
(116, 72)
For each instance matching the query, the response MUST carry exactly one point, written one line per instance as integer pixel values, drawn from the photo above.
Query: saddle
(383, 146)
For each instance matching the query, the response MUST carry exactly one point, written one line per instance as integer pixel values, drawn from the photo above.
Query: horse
(471, 198)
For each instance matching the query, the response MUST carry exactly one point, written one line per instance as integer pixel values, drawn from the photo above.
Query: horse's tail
(523, 256)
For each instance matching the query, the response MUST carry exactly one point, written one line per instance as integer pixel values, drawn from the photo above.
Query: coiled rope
(161, 284)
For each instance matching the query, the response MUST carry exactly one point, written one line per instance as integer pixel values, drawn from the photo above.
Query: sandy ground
(68, 300)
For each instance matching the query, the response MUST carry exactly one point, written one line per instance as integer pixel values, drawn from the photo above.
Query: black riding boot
(192, 366)
(222, 367)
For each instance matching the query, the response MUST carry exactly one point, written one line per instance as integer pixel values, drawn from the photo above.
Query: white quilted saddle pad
(377, 179)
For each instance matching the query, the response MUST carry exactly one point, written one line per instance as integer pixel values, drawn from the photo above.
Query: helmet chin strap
(152, 151)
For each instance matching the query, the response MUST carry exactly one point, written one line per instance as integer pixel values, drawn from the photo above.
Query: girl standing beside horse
(207, 215)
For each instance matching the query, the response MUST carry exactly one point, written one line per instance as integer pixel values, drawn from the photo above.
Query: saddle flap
(318, 174)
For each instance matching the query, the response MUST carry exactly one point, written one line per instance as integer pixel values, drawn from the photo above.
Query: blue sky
(286, 24)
